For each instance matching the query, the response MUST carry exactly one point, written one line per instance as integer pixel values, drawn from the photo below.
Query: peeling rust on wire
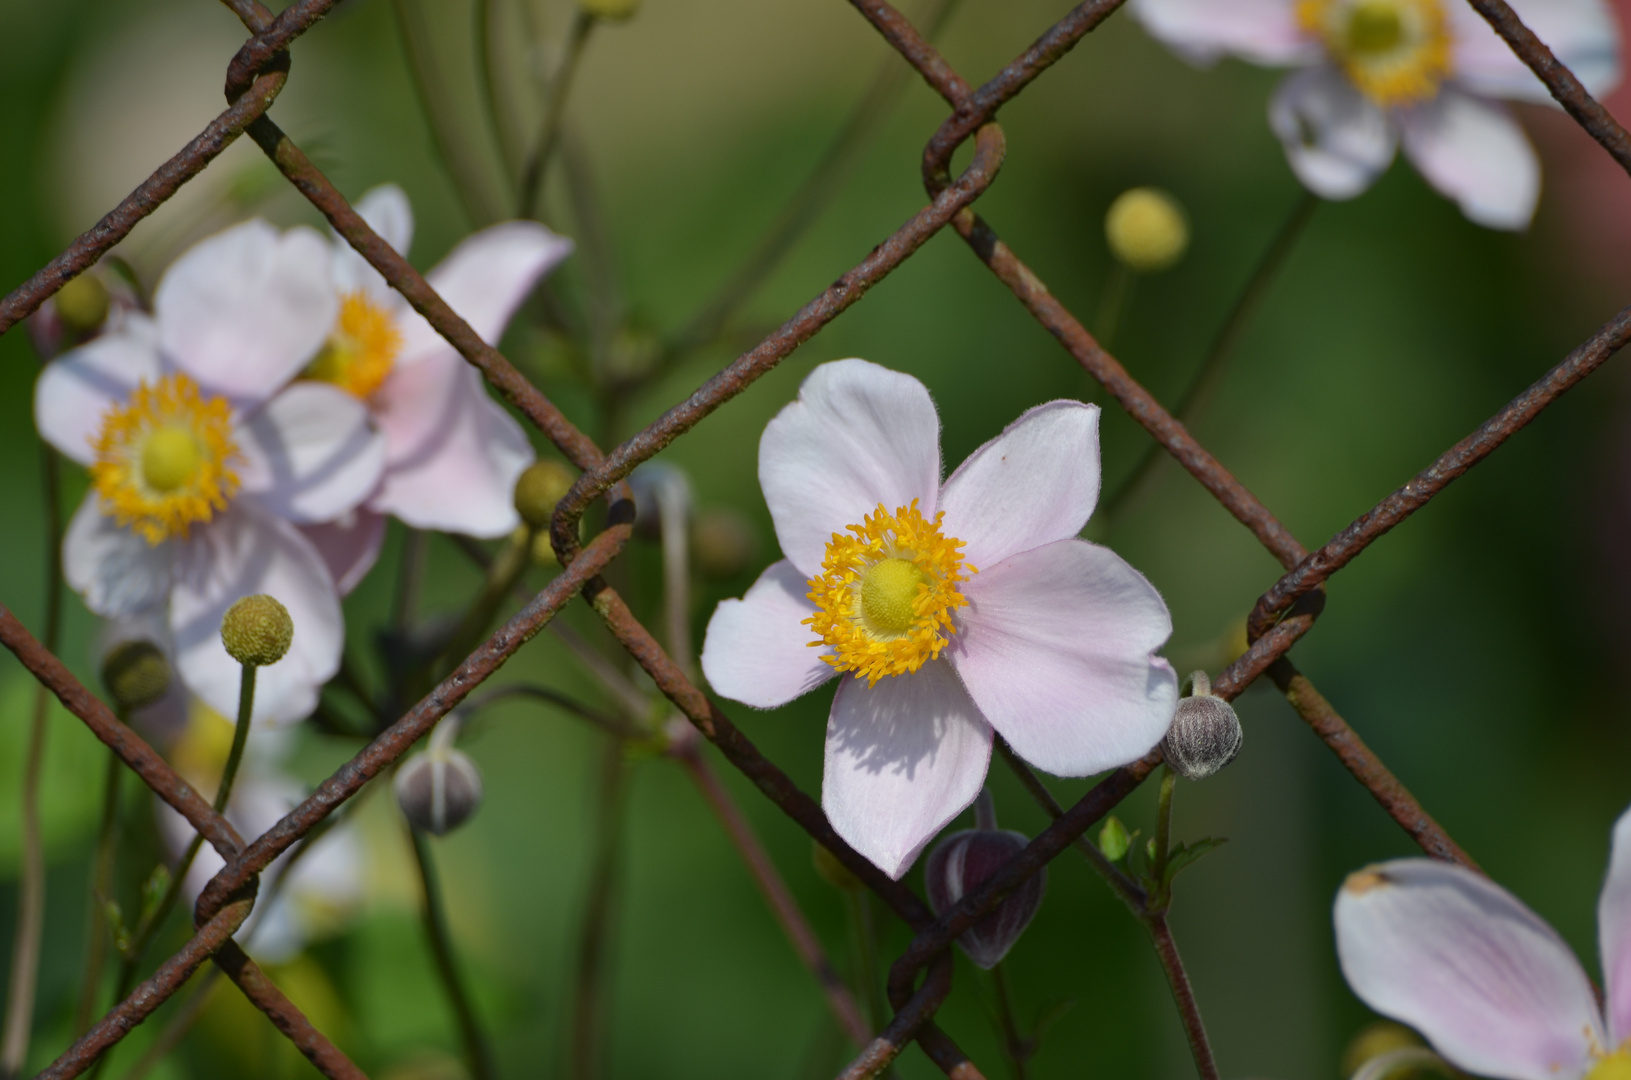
(249, 978)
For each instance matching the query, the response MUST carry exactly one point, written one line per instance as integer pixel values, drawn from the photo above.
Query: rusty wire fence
(920, 978)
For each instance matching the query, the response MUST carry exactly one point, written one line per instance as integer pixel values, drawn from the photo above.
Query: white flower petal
(1461, 960)
(484, 279)
(311, 453)
(117, 572)
(1581, 33)
(349, 546)
(1262, 31)
(904, 757)
(244, 551)
(244, 310)
(453, 454)
(75, 391)
(757, 650)
(1474, 151)
(1336, 139)
(1057, 648)
(388, 213)
(858, 436)
(1035, 483)
(1614, 932)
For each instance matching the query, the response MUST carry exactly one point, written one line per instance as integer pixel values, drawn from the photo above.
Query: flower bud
(832, 871)
(961, 863)
(438, 790)
(613, 10)
(136, 674)
(1147, 229)
(1205, 734)
(1374, 1040)
(257, 630)
(1113, 839)
(723, 544)
(541, 485)
(82, 304)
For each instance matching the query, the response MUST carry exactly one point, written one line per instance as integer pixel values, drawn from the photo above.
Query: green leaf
(1185, 854)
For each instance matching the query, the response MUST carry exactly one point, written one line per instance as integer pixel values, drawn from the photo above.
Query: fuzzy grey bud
(1205, 734)
(438, 790)
(961, 863)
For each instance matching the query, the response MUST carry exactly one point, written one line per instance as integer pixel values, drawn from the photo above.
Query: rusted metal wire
(1285, 613)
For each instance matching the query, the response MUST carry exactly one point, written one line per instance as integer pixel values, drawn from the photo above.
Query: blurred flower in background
(1051, 641)
(204, 462)
(452, 453)
(1381, 72)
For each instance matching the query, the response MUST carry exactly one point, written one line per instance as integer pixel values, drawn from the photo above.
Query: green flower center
(888, 591)
(171, 458)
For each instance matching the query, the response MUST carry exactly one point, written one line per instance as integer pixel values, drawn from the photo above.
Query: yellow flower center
(361, 349)
(162, 459)
(1615, 1066)
(886, 593)
(1397, 52)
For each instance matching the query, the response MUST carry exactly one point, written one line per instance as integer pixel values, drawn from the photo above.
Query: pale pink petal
(484, 279)
(1581, 33)
(243, 311)
(349, 546)
(311, 454)
(388, 213)
(1335, 138)
(244, 551)
(758, 649)
(76, 390)
(117, 572)
(1057, 647)
(904, 757)
(1474, 151)
(1462, 961)
(452, 454)
(1614, 932)
(859, 436)
(1033, 484)
(1262, 31)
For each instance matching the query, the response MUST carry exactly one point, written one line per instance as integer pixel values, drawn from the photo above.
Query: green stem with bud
(441, 950)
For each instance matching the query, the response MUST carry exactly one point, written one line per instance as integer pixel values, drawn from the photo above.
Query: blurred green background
(1475, 648)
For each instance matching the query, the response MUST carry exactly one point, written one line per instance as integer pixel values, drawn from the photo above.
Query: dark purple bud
(964, 861)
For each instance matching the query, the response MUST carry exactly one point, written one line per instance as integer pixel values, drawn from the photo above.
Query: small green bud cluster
(257, 630)
(136, 674)
(1147, 229)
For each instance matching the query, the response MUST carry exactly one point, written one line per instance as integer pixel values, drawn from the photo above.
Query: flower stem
(1118, 294)
(586, 1023)
(1162, 896)
(25, 952)
(1209, 376)
(1017, 1047)
(240, 736)
(532, 176)
(101, 885)
(1183, 995)
(441, 949)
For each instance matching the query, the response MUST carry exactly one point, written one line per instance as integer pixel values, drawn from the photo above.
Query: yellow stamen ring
(886, 594)
(163, 457)
(361, 350)
(1397, 52)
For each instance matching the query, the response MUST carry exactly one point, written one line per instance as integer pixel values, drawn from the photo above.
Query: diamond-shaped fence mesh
(920, 978)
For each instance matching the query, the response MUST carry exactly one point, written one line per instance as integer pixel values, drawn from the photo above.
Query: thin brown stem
(1017, 1047)
(532, 176)
(1183, 994)
(96, 936)
(586, 1027)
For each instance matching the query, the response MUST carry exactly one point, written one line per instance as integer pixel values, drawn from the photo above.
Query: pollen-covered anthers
(1397, 52)
(163, 459)
(361, 350)
(886, 593)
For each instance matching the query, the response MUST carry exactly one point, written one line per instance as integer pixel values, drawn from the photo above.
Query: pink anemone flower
(948, 610)
(452, 453)
(1380, 72)
(205, 462)
(1486, 980)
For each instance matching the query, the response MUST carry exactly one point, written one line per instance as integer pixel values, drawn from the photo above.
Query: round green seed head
(1147, 229)
(540, 487)
(82, 304)
(257, 630)
(136, 674)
